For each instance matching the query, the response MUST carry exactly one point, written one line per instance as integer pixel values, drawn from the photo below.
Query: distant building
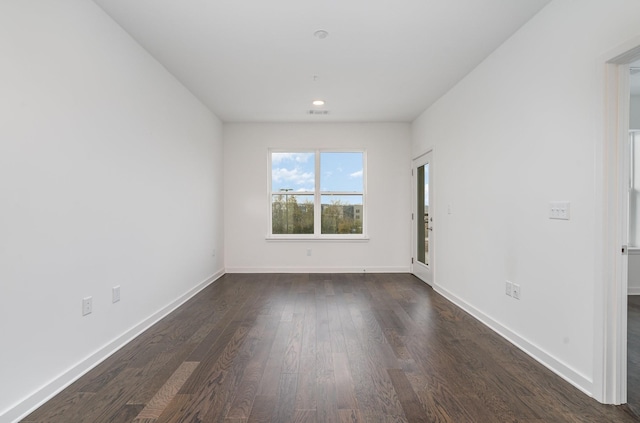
(352, 211)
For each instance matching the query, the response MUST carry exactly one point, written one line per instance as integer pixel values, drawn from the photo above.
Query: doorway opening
(633, 228)
(611, 369)
(422, 216)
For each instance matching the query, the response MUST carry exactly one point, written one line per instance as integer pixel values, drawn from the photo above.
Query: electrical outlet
(115, 294)
(213, 253)
(559, 210)
(308, 251)
(87, 305)
(508, 288)
(516, 291)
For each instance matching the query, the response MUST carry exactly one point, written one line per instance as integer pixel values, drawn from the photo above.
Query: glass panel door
(422, 214)
(423, 236)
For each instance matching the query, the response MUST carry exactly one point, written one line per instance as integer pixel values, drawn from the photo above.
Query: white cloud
(357, 174)
(277, 158)
(293, 176)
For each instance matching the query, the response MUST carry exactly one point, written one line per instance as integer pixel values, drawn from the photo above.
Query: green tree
(289, 217)
(339, 218)
(278, 207)
(303, 217)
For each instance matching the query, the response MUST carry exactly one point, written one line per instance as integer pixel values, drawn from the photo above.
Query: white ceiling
(384, 60)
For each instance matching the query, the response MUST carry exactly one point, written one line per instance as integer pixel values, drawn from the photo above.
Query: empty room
(292, 211)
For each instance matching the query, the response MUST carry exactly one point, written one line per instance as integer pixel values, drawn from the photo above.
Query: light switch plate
(87, 305)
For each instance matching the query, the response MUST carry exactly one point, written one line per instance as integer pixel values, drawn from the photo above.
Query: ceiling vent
(318, 112)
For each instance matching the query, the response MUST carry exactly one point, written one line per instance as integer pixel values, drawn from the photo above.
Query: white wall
(518, 132)
(110, 174)
(247, 206)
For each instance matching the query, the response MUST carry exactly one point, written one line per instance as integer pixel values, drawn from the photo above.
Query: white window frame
(317, 197)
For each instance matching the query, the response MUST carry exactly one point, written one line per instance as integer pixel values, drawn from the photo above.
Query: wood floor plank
(176, 410)
(245, 393)
(161, 367)
(374, 348)
(633, 353)
(64, 406)
(306, 388)
(365, 393)
(126, 414)
(291, 358)
(209, 360)
(285, 402)
(109, 401)
(304, 416)
(338, 343)
(104, 373)
(345, 390)
(273, 368)
(262, 409)
(407, 397)
(327, 408)
(350, 416)
(221, 379)
(165, 395)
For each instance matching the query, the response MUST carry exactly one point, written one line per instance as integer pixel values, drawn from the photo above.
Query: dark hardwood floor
(321, 348)
(633, 353)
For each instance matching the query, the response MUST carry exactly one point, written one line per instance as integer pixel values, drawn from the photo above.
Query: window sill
(316, 239)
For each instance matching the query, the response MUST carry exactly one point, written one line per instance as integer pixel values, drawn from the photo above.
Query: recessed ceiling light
(321, 34)
(318, 102)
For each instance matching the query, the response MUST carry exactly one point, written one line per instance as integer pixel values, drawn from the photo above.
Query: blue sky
(295, 171)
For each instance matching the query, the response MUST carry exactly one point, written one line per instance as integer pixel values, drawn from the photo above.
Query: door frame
(422, 272)
(612, 164)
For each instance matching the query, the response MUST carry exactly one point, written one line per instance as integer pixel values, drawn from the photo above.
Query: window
(317, 194)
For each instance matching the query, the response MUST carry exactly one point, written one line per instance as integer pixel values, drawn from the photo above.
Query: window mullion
(317, 200)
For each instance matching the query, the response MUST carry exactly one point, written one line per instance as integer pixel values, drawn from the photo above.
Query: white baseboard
(364, 269)
(633, 290)
(49, 390)
(563, 370)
